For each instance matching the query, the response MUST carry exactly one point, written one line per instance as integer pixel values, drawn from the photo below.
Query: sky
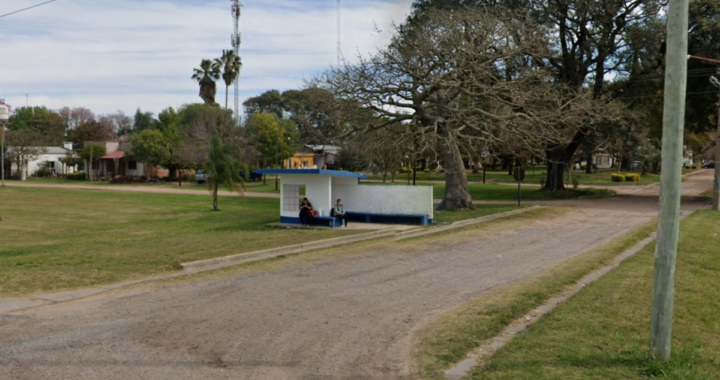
(110, 55)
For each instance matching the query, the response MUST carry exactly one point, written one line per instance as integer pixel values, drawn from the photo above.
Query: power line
(24, 9)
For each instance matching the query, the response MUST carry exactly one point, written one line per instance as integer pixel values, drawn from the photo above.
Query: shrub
(76, 176)
(405, 169)
(632, 177)
(617, 177)
(575, 183)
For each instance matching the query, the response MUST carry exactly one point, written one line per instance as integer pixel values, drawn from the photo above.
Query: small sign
(519, 174)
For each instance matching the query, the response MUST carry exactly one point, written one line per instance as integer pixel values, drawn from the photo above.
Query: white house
(47, 157)
(115, 162)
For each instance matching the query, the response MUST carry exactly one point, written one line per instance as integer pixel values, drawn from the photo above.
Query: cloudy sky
(110, 55)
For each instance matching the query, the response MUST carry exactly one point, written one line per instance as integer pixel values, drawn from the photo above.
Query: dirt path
(345, 315)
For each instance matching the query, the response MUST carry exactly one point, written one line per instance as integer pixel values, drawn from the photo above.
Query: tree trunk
(226, 96)
(555, 175)
(588, 163)
(215, 197)
(456, 189)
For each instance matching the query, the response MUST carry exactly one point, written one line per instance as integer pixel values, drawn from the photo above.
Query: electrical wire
(24, 9)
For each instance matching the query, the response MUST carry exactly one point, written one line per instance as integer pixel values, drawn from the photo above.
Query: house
(313, 156)
(51, 158)
(603, 160)
(115, 162)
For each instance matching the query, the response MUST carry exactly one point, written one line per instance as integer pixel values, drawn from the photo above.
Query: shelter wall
(317, 190)
(412, 200)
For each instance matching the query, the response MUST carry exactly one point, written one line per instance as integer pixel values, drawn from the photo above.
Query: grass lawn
(533, 176)
(603, 332)
(449, 216)
(52, 239)
(497, 192)
(250, 186)
(455, 334)
(56, 239)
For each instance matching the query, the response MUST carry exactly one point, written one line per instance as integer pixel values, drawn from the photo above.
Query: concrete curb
(519, 325)
(249, 257)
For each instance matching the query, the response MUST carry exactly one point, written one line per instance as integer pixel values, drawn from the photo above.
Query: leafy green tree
(223, 168)
(47, 123)
(229, 65)
(144, 121)
(206, 75)
(270, 101)
(150, 146)
(274, 138)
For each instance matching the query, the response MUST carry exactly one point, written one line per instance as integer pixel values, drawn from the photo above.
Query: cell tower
(339, 40)
(236, 9)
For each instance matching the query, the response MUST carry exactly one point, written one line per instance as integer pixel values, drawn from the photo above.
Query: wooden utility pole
(670, 188)
(716, 181)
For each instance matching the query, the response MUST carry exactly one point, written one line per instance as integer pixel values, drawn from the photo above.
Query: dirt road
(349, 314)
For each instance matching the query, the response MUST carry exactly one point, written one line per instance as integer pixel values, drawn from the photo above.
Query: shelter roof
(332, 173)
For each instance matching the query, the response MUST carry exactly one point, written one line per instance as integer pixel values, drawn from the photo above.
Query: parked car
(709, 165)
(636, 164)
(201, 176)
(254, 176)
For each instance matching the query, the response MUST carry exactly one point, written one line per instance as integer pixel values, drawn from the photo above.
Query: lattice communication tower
(236, 10)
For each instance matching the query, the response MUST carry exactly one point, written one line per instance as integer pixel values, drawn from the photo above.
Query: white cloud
(124, 54)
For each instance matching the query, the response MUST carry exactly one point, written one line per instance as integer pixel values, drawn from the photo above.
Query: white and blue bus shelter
(363, 203)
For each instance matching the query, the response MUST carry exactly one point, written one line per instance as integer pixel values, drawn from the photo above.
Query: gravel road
(348, 314)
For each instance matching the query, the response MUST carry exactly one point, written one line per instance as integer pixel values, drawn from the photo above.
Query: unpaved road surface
(348, 314)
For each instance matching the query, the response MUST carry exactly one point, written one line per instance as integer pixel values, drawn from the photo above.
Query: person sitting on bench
(306, 212)
(339, 213)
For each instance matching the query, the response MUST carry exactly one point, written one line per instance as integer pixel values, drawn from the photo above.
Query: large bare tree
(463, 76)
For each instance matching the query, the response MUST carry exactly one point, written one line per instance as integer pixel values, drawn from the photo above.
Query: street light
(4, 116)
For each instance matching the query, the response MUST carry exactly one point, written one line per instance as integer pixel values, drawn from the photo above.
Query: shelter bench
(365, 217)
(327, 221)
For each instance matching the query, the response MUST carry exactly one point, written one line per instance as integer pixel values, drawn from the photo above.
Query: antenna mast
(236, 10)
(339, 41)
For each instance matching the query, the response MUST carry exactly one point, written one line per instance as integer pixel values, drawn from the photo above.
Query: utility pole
(670, 187)
(716, 180)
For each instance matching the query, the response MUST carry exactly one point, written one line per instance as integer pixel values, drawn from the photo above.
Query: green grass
(449, 339)
(497, 192)
(52, 239)
(449, 216)
(533, 176)
(57, 239)
(603, 332)
(250, 186)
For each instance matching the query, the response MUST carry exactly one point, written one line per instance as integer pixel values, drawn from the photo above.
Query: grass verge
(450, 338)
(603, 332)
(55, 239)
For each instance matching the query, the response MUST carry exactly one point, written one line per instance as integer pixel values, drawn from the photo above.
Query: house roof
(44, 150)
(114, 155)
(323, 148)
(332, 173)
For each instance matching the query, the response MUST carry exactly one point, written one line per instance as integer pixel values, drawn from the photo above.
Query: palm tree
(229, 64)
(222, 170)
(206, 76)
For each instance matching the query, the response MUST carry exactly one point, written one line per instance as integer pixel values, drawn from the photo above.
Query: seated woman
(306, 212)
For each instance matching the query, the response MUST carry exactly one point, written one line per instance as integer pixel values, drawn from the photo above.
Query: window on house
(96, 165)
(132, 165)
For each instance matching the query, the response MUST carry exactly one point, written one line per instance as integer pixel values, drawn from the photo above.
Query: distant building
(314, 156)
